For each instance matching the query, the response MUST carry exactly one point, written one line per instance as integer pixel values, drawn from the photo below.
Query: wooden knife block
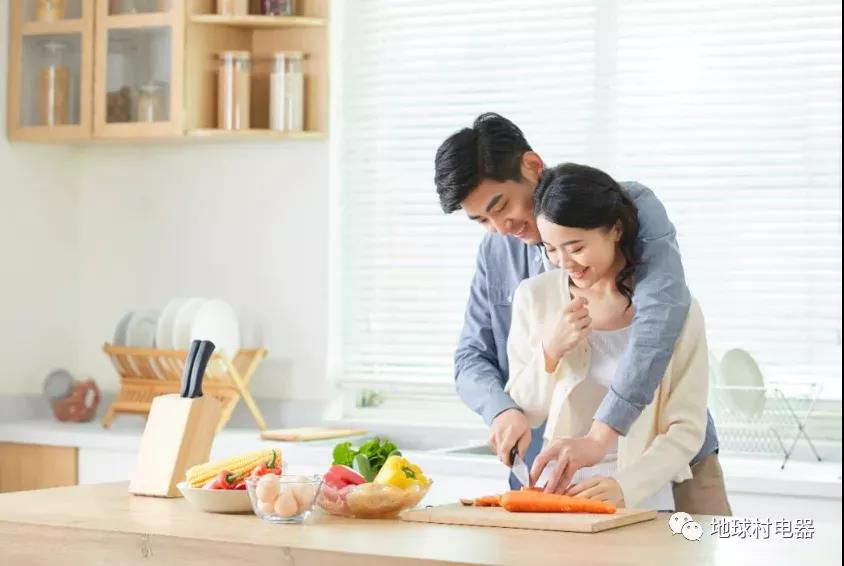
(179, 434)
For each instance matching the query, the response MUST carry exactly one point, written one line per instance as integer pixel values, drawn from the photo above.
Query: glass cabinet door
(50, 70)
(138, 84)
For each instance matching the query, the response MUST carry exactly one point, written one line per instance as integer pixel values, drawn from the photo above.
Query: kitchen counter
(821, 481)
(103, 524)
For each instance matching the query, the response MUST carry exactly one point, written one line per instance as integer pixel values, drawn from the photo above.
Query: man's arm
(479, 380)
(662, 301)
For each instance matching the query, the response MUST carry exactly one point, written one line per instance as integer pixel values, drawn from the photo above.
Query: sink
(470, 450)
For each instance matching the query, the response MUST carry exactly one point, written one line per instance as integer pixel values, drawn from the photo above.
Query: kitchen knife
(194, 347)
(519, 468)
(197, 372)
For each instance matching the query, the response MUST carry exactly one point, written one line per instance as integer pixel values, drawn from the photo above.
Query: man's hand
(510, 428)
(599, 488)
(571, 454)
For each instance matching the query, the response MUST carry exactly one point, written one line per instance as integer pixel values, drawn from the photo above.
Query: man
(490, 172)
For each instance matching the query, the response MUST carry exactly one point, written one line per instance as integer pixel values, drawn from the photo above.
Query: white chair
(754, 416)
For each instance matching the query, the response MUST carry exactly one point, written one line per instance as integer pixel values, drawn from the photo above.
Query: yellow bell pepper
(398, 472)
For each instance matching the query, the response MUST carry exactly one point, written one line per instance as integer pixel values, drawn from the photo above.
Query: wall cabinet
(148, 69)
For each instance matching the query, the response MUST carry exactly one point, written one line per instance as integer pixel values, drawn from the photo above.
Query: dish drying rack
(146, 373)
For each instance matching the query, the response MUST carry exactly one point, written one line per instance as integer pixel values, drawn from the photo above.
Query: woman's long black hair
(578, 196)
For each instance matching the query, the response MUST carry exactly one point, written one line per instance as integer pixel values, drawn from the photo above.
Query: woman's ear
(532, 166)
(617, 231)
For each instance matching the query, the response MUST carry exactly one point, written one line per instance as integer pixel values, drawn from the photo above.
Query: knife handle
(206, 349)
(186, 373)
(514, 451)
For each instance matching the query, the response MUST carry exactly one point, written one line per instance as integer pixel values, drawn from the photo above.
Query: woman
(570, 328)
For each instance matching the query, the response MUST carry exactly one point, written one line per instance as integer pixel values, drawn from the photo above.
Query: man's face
(507, 208)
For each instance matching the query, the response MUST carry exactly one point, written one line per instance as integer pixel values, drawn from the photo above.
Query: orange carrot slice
(529, 501)
(488, 501)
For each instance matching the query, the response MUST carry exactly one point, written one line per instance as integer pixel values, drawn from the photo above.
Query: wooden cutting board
(309, 433)
(457, 514)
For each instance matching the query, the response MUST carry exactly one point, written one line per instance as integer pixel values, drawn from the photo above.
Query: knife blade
(519, 468)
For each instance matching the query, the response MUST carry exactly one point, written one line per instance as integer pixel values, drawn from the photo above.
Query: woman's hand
(571, 454)
(599, 488)
(568, 456)
(560, 338)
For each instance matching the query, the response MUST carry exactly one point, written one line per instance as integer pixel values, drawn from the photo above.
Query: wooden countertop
(103, 524)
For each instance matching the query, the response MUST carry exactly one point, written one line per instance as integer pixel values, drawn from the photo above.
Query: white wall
(87, 233)
(247, 223)
(39, 254)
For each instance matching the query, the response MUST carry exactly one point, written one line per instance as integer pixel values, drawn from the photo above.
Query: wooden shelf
(61, 27)
(254, 134)
(259, 22)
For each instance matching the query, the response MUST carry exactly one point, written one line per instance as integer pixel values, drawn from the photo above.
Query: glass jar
(151, 103)
(294, 92)
(287, 92)
(278, 7)
(54, 87)
(50, 10)
(233, 7)
(233, 78)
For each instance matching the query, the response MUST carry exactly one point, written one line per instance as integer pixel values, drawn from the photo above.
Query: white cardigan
(670, 430)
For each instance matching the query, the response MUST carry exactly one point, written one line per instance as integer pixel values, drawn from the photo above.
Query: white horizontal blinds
(731, 112)
(413, 73)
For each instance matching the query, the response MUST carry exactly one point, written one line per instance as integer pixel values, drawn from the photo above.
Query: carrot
(488, 501)
(530, 501)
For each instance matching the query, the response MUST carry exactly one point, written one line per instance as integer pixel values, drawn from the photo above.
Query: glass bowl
(283, 499)
(370, 500)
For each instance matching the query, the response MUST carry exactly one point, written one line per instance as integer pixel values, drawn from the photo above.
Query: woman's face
(588, 256)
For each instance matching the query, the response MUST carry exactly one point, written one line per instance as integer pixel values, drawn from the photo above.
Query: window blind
(729, 110)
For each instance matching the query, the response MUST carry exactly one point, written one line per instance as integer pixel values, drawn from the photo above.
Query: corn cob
(239, 466)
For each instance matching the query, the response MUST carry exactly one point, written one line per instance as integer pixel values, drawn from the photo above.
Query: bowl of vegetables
(220, 486)
(372, 482)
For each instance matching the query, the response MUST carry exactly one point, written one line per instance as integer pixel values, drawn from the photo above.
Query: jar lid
(289, 54)
(151, 87)
(235, 55)
(55, 46)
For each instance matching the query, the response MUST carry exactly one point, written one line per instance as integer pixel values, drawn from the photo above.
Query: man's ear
(532, 166)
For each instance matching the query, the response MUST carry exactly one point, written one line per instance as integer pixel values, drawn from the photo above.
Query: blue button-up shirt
(661, 299)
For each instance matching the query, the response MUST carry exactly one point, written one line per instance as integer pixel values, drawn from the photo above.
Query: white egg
(286, 504)
(266, 507)
(267, 490)
(304, 495)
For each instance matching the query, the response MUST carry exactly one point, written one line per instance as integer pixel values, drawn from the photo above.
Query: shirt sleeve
(478, 377)
(661, 300)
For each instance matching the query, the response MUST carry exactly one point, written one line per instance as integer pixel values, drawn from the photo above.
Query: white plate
(164, 330)
(183, 321)
(141, 330)
(217, 500)
(739, 369)
(217, 321)
(121, 328)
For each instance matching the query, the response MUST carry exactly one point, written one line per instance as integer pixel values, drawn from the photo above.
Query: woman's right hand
(560, 338)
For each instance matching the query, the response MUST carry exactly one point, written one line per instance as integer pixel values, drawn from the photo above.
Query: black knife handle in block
(194, 348)
(206, 349)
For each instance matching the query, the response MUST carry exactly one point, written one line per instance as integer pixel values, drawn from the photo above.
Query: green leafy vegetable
(368, 459)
